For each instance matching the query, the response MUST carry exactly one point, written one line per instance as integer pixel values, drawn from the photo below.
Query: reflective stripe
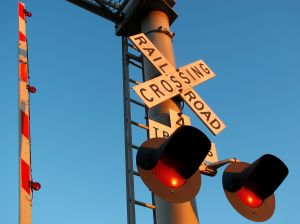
(24, 125)
(23, 72)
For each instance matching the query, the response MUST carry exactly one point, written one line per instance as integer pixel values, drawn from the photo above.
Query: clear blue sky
(77, 113)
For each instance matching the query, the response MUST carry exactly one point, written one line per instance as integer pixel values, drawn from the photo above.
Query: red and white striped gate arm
(24, 123)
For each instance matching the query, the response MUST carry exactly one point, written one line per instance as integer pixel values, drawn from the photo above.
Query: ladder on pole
(132, 57)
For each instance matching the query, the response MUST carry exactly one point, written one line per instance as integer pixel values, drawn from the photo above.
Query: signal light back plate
(177, 195)
(260, 214)
(181, 194)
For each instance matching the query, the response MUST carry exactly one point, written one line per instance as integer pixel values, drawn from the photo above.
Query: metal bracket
(211, 169)
(160, 29)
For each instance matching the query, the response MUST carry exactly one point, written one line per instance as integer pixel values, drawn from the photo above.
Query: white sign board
(173, 82)
(212, 156)
(178, 119)
(158, 130)
(203, 111)
(152, 53)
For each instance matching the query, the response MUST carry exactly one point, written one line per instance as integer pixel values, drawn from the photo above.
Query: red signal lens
(167, 175)
(249, 198)
(32, 89)
(35, 186)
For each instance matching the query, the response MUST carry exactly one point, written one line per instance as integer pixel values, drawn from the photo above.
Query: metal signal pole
(152, 17)
(156, 27)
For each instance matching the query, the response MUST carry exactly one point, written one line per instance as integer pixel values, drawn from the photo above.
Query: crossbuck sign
(173, 82)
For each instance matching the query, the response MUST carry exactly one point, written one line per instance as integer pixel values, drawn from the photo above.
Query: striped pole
(24, 124)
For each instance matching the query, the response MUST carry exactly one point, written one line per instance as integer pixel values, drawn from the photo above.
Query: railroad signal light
(170, 167)
(35, 186)
(250, 187)
(31, 89)
(249, 198)
(27, 13)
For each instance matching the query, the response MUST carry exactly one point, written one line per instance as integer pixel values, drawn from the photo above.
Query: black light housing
(170, 167)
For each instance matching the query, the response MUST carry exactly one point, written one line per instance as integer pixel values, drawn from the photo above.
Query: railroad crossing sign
(173, 82)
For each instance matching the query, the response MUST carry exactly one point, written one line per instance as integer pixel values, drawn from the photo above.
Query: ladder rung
(136, 173)
(145, 204)
(135, 64)
(132, 46)
(138, 103)
(134, 57)
(139, 125)
(134, 82)
(135, 147)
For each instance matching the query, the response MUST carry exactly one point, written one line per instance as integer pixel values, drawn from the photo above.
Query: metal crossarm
(109, 9)
(138, 103)
(145, 204)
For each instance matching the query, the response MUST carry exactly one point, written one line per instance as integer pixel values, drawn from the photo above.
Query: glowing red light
(168, 175)
(32, 89)
(35, 186)
(249, 198)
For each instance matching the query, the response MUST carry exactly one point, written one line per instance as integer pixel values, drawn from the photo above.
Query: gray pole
(154, 25)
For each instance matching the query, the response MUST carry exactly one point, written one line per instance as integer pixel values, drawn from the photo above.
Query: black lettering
(166, 85)
(156, 59)
(173, 79)
(156, 90)
(141, 39)
(156, 129)
(213, 122)
(191, 95)
(205, 69)
(181, 74)
(161, 67)
(190, 74)
(196, 105)
(180, 121)
(150, 50)
(142, 90)
(197, 72)
(207, 114)
(165, 134)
